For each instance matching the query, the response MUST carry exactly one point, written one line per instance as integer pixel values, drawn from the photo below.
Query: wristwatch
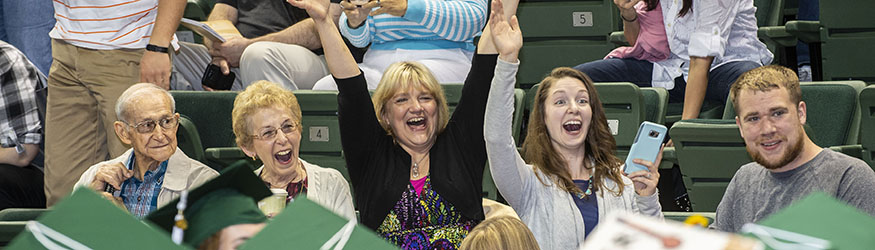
(156, 48)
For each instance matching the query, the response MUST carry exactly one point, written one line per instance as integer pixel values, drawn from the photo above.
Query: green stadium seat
(320, 134)
(210, 112)
(655, 104)
(9, 229)
(838, 38)
(21, 214)
(710, 151)
(563, 33)
(188, 140)
(867, 126)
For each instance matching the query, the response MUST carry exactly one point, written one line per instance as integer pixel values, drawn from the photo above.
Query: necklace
(416, 166)
(586, 193)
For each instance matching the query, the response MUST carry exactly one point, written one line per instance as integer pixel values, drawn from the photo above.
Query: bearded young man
(788, 165)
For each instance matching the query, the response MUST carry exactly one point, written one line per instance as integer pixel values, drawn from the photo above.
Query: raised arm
(340, 61)
(630, 19)
(507, 166)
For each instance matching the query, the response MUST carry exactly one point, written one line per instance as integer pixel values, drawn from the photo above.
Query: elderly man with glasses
(153, 172)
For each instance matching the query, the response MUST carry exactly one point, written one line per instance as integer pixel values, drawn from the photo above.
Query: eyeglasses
(148, 126)
(270, 133)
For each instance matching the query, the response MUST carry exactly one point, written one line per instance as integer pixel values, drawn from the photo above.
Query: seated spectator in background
(220, 214)
(21, 182)
(153, 172)
(267, 123)
(99, 49)
(417, 170)
(572, 178)
(504, 232)
(711, 42)
(439, 34)
(279, 44)
(788, 165)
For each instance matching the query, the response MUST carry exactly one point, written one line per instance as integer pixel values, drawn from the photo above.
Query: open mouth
(416, 121)
(769, 145)
(572, 126)
(283, 157)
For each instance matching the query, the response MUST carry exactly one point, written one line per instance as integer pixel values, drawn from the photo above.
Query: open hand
(645, 180)
(627, 8)
(155, 68)
(391, 7)
(317, 9)
(110, 174)
(506, 34)
(355, 14)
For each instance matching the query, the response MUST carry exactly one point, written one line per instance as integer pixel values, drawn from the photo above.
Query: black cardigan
(380, 169)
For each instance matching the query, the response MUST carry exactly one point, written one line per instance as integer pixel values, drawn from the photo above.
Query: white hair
(135, 91)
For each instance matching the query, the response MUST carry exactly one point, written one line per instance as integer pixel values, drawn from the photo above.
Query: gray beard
(793, 152)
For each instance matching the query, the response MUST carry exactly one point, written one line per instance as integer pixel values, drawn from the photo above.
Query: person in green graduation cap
(221, 214)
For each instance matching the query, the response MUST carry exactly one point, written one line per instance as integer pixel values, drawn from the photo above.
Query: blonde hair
(764, 79)
(401, 76)
(503, 232)
(259, 95)
(538, 148)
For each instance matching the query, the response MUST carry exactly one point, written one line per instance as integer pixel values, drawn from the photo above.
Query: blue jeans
(26, 24)
(808, 10)
(640, 73)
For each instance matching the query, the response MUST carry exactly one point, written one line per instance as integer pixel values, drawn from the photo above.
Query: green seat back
(21, 214)
(769, 12)
(211, 113)
(623, 105)
(9, 229)
(188, 140)
(563, 33)
(847, 31)
(867, 128)
(655, 104)
(320, 132)
(453, 92)
(833, 111)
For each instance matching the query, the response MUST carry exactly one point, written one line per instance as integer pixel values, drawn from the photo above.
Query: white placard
(614, 125)
(581, 19)
(319, 133)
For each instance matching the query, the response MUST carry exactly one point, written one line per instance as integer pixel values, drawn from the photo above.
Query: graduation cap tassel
(339, 239)
(180, 223)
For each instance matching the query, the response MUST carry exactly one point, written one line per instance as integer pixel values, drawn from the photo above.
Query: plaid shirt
(19, 80)
(141, 197)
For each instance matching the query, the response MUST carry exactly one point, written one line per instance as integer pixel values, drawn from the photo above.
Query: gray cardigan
(328, 188)
(549, 211)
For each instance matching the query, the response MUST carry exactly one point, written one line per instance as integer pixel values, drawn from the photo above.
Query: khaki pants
(84, 85)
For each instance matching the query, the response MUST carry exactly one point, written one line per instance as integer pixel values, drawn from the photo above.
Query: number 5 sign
(582, 19)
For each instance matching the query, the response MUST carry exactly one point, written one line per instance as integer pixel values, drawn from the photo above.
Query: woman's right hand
(356, 15)
(627, 8)
(317, 9)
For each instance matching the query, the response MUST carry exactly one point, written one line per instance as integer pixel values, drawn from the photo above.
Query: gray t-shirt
(755, 193)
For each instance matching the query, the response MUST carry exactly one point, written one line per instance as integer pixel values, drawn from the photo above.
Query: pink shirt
(652, 44)
(418, 184)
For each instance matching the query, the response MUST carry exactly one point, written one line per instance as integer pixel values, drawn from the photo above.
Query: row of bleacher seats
(841, 116)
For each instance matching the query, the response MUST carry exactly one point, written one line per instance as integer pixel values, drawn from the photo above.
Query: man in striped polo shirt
(99, 49)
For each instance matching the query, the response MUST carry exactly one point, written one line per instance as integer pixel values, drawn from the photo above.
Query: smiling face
(567, 114)
(280, 152)
(771, 126)
(157, 145)
(412, 114)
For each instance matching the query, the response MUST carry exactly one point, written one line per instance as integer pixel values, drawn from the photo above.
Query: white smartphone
(646, 146)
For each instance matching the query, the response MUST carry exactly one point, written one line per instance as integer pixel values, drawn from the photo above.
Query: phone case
(214, 78)
(646, 145)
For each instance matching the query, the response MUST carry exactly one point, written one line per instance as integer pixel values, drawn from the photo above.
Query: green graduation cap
(229, 199)
(85, 220)
(830, 222)
(307, 225)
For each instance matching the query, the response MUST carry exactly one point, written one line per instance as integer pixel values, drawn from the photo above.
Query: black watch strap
(157, 48)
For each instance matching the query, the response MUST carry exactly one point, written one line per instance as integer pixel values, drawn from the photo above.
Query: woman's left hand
(645, 180)
(391, 7)
(506, 33)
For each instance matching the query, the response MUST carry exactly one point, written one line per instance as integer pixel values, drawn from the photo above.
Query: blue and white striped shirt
(141, 197)
(427, 24)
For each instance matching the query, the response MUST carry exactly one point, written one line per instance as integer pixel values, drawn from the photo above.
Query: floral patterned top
(425, 221)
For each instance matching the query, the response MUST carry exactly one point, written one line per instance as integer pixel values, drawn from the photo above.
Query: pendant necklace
(416, 166)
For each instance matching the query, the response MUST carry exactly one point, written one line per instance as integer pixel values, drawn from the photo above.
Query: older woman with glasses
(148, 122)
(267, 123)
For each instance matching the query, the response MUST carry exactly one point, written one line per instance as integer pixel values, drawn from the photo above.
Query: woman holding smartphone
(572, 179)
